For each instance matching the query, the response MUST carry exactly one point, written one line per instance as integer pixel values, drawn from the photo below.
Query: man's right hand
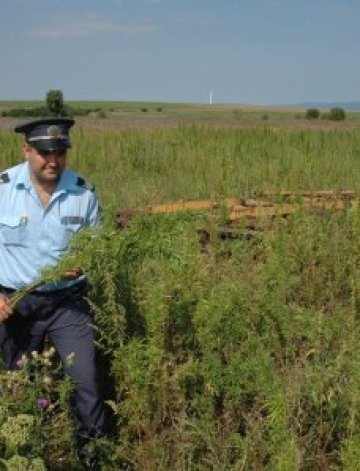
(5, 308)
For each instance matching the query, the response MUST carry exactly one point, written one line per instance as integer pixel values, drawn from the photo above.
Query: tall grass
(144, 166)
(244, 356)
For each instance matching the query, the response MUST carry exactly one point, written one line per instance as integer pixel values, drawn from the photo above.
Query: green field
(243, 356)
(147, 165)
(158, 110)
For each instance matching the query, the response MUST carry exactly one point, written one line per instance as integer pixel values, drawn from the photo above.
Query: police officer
(42, 205)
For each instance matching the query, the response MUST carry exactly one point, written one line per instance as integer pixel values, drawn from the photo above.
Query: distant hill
(347, 105)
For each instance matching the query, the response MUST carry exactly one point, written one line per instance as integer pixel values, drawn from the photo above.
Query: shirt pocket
(60, 235)
(12, 230)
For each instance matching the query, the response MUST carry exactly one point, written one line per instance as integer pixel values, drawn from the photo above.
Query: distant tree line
(54, 106)
(335, 114)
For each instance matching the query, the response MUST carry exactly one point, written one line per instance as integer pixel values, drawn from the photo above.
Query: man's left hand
(73, 274)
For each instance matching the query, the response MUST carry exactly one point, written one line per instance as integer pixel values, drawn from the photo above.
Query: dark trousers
(63, 316)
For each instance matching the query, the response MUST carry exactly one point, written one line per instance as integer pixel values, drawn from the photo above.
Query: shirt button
(43, 245)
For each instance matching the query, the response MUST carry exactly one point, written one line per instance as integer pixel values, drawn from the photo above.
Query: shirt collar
(67, 183)
(23, 177)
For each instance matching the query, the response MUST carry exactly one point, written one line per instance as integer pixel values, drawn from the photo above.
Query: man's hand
(73, 274)
(5, 308)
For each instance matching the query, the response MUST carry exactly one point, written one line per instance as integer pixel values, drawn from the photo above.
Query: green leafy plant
(312, 113)
(337, 114)
(34, 420)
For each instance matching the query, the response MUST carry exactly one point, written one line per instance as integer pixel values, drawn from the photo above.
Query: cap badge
(54, 131)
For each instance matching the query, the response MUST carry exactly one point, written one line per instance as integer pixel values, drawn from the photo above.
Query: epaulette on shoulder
(81, 182)
(4, 178)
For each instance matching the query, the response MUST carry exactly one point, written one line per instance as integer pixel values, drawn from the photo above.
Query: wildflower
(43, 403)
(70, 359)
(49, 353)
(17, 462)
(52, 351)
(16, 431)
(34, 354)
(47, 381)
(21, 363)
(37, 464)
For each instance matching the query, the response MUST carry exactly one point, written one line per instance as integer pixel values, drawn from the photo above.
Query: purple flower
(22, 361)
(43, 403)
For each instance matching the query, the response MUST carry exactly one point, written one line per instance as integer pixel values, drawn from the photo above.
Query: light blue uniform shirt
(33, 237)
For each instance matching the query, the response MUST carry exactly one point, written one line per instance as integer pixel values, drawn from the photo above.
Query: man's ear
(26, 150)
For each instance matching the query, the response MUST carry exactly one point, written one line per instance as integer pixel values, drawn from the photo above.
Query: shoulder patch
(81, 182)
(4, 178)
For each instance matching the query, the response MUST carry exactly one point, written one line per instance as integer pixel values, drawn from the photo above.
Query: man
(42, 205)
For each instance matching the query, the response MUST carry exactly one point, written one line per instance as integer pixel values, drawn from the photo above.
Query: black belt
(77, 287)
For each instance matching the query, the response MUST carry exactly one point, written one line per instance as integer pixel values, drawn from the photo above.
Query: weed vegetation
(243, 355)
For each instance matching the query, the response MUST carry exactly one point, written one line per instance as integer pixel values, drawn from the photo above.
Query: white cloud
(91, 25)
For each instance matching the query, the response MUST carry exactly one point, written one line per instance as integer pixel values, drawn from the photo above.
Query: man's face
(45, 166)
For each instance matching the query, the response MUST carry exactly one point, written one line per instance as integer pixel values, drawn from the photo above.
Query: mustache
(52, 166)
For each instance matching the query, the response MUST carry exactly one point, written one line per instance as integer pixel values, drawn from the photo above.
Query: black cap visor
(50, 144)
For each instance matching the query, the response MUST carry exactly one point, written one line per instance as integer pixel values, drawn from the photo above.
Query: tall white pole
(210, 97)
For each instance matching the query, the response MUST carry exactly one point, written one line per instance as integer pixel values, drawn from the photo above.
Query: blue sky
(246, 51)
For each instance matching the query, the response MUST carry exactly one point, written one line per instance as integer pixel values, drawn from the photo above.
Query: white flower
(47, 381)
(70, 359)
